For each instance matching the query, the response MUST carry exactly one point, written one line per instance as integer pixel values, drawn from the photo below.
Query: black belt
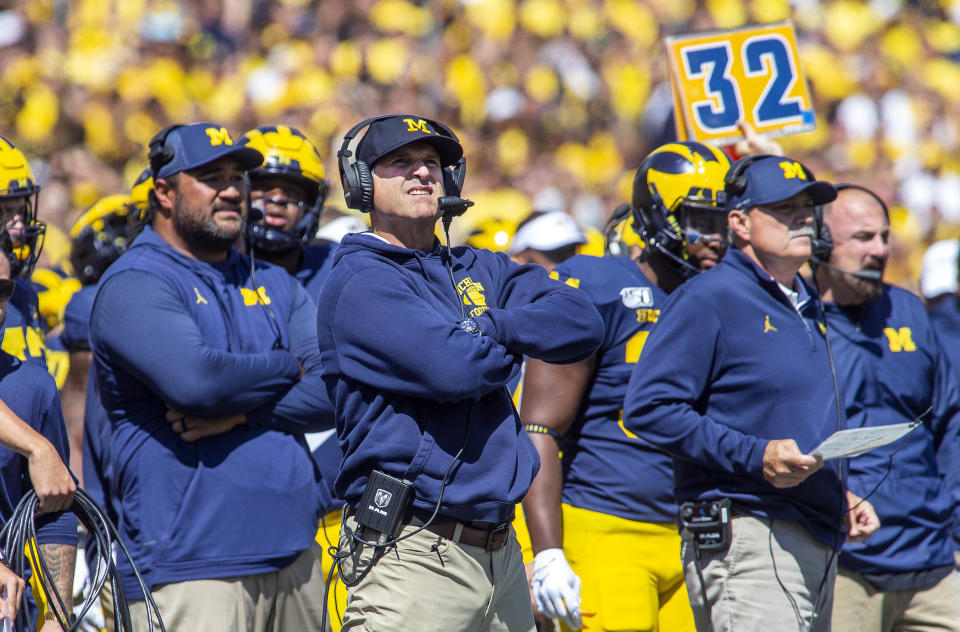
(489, 536)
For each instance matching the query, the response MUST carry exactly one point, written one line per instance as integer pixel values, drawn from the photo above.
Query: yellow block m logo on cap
(219, 136)
(793, 170)
(418, 125)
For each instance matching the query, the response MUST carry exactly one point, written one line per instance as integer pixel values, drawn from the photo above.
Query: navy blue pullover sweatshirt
(893, 370)
(945, 317)
(731, 365)
(96, 426)
(23, 330)
(31, 393)
(596, 451)
(316, 260)
(410, 387)
(171, 331)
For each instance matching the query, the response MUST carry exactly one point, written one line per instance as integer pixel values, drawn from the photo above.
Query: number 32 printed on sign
(748, 74)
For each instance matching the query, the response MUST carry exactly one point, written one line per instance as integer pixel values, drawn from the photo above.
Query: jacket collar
(744, 264)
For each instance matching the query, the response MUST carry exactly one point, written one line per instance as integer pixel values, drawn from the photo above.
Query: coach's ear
(739, 224)
(165, 192)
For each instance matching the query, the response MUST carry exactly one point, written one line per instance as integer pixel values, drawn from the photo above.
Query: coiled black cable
(20, 532)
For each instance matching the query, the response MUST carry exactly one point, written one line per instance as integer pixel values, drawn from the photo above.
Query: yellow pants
(631, 572)
(523, 535)
(328, 534)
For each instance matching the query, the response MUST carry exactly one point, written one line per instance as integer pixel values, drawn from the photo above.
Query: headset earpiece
(821, 247)
(355, 174)
(735, 182)
(363, 191)
(159, 154)
(453, 177)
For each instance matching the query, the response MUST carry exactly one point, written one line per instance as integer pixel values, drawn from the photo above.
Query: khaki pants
(428, 583)
(282, 601)
(858, 607)
(773, 577)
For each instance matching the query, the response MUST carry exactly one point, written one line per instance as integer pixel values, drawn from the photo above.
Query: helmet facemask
(18, 215)
(288, 155)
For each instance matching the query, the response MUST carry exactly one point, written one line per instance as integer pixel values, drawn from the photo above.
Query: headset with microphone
(822, 245)
(159, 153)
(735, 182)
(358, 181)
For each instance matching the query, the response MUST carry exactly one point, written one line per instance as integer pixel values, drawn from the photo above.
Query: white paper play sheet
(856, 441)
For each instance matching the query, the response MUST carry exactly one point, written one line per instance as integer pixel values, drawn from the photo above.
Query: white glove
(556, 588)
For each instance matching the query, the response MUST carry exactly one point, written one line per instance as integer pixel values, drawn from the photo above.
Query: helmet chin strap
(687, 270)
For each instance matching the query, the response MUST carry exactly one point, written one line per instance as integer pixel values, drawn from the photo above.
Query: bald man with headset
(418, 341)
(894, 370)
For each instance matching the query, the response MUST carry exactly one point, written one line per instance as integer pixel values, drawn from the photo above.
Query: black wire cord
(842, 475)
(20, 532)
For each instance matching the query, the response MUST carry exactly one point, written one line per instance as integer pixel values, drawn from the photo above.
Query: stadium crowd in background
(564, 93)
(556, 102)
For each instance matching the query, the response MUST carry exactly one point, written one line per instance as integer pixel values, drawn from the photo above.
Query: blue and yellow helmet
(19, 195)
(54, 289)
(287, 153)
(140, 196)
(672, 179)
(101, 235)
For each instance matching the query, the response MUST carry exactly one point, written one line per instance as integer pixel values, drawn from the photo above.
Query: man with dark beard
(208, 368)
(893, 369)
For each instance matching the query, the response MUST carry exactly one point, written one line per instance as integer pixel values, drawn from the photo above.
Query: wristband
(541, 429)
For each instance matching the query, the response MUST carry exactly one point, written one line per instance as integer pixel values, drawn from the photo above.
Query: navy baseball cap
(186, 147)
(395, 131)
(774, 179)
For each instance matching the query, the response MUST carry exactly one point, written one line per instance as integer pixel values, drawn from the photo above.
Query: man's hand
(784, 465)
(192, 428)
(860, 520)
(753, 143)
(556, 588)
(543, 623)
(51, 479)
(12, 587)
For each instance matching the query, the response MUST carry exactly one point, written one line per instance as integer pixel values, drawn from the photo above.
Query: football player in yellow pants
(601, 518)
(328, 535)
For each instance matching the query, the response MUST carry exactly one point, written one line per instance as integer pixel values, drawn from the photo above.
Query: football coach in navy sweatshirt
(894, 369)
(737, 386)
(418, 342)
(208, 368)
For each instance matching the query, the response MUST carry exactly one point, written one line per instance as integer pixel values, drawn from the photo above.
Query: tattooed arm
(60, 559)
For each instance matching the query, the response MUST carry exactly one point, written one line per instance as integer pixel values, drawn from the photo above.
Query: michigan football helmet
(287, 154)
(101, 235)
(140, 196)
(19, 194)
(678, 200)
(54, 289)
